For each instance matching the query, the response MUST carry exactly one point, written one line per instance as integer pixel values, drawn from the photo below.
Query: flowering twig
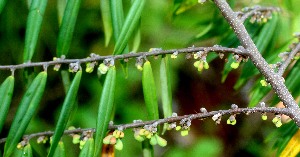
(262, 12)
(288, 60)
(201, 115)
(275, 80)
(154, 52)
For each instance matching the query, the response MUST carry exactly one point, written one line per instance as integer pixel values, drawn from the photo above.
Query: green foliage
(165, 87)
(65, 113)
(2, 4)
(165, 24)
(60, 150)
(34, 22)
(149, 90)
(130, 24)
(105, 109)
(67, 27)
(106, 17)
(6, 92)
(88, 148)
(27, 151)
(25, 112)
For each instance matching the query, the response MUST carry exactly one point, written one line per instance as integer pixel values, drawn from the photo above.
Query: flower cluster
(149, 132)
(115, 139)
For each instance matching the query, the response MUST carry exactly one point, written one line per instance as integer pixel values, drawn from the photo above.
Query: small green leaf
(129, 26)
(25, 112)
(60, 150)
(34, 23)
(88, 148)
(6, 92)
(105, 109)
(65, 113)
(166, 90)
(27, 151)
(67, 27)
(106, 18)
(149, 90)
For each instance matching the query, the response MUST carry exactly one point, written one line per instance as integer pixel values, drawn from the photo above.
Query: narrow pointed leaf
(60, 150)
(105, 109)
(137, 38)
(6, 92)
(27, 151)
(117, 17)
(149, 90)
(88, 148)
(26, 109)
(65, 113)
(106, 18)
(129, 26)
(67, 27)
(34, 23)
(61, 6)
(166, 91)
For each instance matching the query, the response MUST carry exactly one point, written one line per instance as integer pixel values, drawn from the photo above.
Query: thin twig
(156, 52)
(203, 115)
(288, 60)
(249, 12)
(275, 80)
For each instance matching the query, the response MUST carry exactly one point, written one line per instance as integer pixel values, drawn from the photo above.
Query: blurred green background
(164, 24)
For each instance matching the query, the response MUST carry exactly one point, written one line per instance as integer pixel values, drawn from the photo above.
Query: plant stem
(276, 81)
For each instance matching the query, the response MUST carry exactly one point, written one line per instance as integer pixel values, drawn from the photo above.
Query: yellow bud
(184, 132)
(234, 65)
(76, 139)
(263, 83)
(162, 142)
(153, 141)
(103, 68)
(119, 145)
(264, 117)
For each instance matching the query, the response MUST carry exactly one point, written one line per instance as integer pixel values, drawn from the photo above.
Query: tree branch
(202, 115)
(275, 80)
